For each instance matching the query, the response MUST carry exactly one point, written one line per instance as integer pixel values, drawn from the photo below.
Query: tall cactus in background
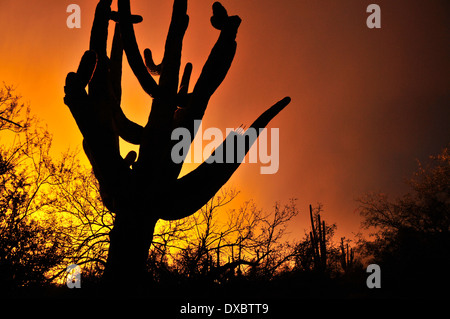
(141, 190)
(318, 242)
(347, 256)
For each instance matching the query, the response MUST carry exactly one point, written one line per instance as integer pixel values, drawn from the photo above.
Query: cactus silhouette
(142, 189)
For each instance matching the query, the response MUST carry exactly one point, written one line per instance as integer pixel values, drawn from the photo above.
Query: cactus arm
(115, 69)
(99, 31)
(126, 129)
(196, 188)
(193, 105)
(216, 66)
(134, 57)
(172, 53)
(151, 66)
(76, 97)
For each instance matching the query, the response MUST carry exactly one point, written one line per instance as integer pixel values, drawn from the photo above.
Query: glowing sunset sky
(366, 103)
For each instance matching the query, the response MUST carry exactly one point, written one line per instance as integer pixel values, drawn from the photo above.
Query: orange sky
(365, 103)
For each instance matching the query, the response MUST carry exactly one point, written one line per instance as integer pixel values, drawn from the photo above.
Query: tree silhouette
(139, 192)
(84, 219)
(30, 241)
(412, 234)
(248, 242)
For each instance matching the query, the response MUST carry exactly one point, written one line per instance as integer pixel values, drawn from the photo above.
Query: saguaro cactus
(318, 242)
(346, 257)
(141, 190)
